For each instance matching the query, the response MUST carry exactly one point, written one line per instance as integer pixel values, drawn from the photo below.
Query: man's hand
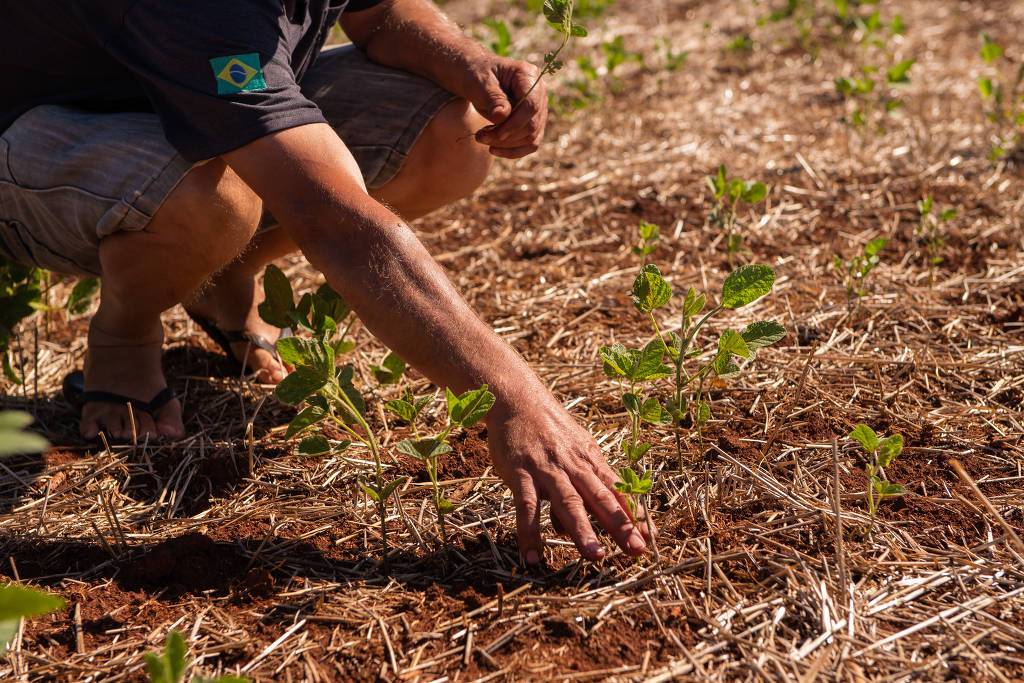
(496, 87)
(542, 453)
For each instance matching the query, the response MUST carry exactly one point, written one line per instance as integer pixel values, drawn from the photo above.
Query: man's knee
(446, 164)
(212, 212)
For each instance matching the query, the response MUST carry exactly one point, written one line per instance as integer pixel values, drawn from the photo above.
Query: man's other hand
(496, 87)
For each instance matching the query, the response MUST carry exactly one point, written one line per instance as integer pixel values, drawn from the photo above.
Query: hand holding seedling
(511, 94)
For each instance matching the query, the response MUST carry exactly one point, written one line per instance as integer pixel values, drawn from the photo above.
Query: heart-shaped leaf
(747, 284)
(650, 290)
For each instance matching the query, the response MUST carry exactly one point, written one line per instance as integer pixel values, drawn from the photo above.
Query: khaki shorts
(70, 177)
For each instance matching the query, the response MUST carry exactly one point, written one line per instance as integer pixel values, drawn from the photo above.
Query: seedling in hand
(729, 194)
(170, 665)
(881, 453)
(559, 14)
(931, 231)
(855, 271)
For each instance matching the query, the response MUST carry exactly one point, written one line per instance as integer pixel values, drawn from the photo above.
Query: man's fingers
(531, 547)
(488, 98)
(525, 125)
(611, 513)
(568, 506)
(513, 153)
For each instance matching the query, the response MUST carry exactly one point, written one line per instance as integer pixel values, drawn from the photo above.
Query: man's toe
(168, 421)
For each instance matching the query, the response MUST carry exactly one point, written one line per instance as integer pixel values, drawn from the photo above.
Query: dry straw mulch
(268, 561)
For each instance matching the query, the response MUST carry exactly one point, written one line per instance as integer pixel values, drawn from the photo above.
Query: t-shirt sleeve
(218, 74)
(360, 5)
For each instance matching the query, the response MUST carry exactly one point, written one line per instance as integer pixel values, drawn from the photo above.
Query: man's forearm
(416, 36)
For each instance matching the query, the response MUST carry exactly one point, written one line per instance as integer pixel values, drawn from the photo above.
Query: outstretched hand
(542, 453)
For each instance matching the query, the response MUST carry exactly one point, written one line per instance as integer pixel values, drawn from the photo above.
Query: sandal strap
(163, 397)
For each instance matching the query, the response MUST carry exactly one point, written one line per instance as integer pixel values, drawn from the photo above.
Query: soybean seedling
(855, 271)
(881, 453)
(559, 15)
(170, 665)
(873, 91)
(1002, 100)
(21, 295)
(648, 236)
(729, 194)
(326, 393)
(464, 411)
(501, 43)
(931, 232)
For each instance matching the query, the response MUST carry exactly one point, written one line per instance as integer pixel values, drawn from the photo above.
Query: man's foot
(230, 303)
(129, 367)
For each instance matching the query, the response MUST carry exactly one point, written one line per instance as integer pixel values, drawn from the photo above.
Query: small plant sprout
(18, 603)
(649, 234)
(501, 43)
(326, 393)
(21, 295)
(854, 272)
(930, 231)
(873, 91)
(171, 665)
(559, 14)
(674, 60)
(1002, 99)
(881, 453)
(633, 487)
(464, 411)
(729, 194)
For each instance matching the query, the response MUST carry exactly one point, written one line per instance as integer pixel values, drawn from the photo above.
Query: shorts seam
(157, 184)
(417, 124)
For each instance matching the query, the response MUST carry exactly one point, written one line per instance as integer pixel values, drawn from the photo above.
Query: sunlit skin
(306, 177)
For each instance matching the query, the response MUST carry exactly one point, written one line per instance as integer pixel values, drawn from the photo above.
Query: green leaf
(947, 215)
(875, 246)
(866, 437)
(647, 364)
(632, 403)
(754, 192)
(469, 408)
(280, 301)
(732, 343)
(314, 445)
(19, 602)
(724, 367)
(747, 284)
(648, 231)
(986, 87)
(426, 448)
(889, 449)
(693, 303)
(990, 50)
(924, 206)
(168, 667)
(403, 409)
(635, 452)
(898, 73)
(650, 290)
(888, 488)
(8, 631)
(763, 333)
(652, 412)
(298, 385)
(390, 487)
(615, 360)
(701, 412)
(736, 187)
(14, 440)
(81, 295)
(390, 370)
(306, 418)
(311, 354)
(371, 491)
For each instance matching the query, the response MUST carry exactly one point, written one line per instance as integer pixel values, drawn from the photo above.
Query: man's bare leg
(446, 164)
(203, 224)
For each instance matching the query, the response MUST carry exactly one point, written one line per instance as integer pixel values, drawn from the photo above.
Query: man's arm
(309, 181)
(415, 36)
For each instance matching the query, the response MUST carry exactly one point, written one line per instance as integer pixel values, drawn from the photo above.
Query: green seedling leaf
(502, 43)
(168, 667)
(763, 333)
(13, 437)
(866, 437)
(280, 301)
(875, 246)
(82, 295)
(21, 602)
(402, 409)
(898, 73)
(889, 449)
(650, 290)
(747, 284)
(732, 343)
(648, 231)
(754, 192)
(445, 506)
(632, 403)
(701, 412)
(888, 488)
(986, 87)
(647, 364)
(924, 206)
(615, 360)
(311, 354)
(371, 491)
(990, 50)
(390, 487)
(947, 215)
(635, 452)
(306, 418)
(298, 385)
(390, 369)
(427, 448)
(693, 303)
(314, 445)
(652, 412)
(469, 408)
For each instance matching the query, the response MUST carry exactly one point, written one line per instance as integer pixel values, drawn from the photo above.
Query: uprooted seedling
(729, 195)
(881, 453)
(931, 232)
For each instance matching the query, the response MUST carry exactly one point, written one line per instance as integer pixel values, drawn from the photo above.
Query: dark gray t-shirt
(218, 73)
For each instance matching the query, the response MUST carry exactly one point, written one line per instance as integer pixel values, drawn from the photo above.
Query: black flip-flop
(77, 396)
(225, 338)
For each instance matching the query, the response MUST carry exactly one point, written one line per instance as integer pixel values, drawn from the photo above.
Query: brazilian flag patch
(238, 73)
